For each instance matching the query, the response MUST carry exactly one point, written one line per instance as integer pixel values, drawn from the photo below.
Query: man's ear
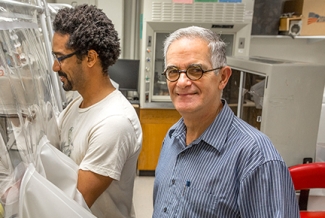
(92, 58)
(225, 74)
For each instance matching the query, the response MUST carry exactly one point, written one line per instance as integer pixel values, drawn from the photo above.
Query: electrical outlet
(241, 43)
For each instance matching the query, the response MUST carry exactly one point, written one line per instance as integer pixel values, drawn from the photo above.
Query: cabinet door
(155, 124)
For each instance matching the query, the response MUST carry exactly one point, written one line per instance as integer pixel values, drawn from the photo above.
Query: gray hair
(216, 45)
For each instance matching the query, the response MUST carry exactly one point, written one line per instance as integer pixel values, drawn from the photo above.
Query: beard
(67, 86)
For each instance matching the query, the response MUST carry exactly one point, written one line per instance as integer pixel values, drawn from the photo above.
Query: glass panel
(229, 40)
(251, 93)
(160, 85)
(253, 99)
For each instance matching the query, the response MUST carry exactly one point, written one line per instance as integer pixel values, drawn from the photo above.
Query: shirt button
(173, 181)
(165, 209)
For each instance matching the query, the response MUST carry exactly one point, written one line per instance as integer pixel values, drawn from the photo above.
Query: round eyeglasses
(63, 57)
(193, 72)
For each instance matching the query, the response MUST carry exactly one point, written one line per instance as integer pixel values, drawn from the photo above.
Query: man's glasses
(63, 57)
(193, 72)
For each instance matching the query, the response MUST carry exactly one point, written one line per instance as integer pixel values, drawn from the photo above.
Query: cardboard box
(285, 22)
(290, 26)
(312, 15)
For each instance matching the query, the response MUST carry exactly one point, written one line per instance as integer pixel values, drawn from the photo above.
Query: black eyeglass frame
(63, 57)
(185, 71)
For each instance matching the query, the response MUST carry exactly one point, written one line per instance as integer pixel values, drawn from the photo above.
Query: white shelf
(310, 39)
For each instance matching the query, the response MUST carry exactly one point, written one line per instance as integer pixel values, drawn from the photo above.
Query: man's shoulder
(253, 139)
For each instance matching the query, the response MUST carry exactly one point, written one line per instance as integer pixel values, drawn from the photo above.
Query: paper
(183, 1)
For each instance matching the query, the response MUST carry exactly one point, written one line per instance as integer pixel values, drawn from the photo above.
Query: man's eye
(173, 71)
(195, 70)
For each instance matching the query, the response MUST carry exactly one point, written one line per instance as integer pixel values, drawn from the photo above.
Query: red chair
(308, 176)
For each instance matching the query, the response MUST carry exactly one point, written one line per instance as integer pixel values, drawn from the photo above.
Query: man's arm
(92, 185)
(268, 192)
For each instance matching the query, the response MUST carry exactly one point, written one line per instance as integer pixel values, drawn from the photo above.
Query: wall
(114, 9)
(131, 29)
(266, 17)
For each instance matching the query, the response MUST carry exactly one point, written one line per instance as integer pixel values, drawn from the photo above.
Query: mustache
(62, 74)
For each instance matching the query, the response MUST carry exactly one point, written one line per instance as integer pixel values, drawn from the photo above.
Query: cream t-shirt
(105, 138)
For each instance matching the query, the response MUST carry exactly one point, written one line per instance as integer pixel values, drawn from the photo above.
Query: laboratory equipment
(30, 101)
(231, 19)
(289, 101)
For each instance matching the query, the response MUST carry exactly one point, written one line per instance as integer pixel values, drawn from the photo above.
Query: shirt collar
(215, 135)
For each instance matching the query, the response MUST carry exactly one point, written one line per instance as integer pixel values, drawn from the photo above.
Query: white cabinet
(282, 99)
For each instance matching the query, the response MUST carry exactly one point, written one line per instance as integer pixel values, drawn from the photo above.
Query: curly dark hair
(89, 28)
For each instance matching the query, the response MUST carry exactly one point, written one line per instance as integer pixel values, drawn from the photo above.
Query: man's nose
(56, 66)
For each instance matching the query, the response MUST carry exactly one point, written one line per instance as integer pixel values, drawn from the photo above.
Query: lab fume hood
(281, 98)
(231, 19)
(30, 101)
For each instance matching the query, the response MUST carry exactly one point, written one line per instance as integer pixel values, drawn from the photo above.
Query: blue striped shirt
(231, 170)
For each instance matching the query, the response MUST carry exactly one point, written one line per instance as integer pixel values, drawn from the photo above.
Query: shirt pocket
(197, 203)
